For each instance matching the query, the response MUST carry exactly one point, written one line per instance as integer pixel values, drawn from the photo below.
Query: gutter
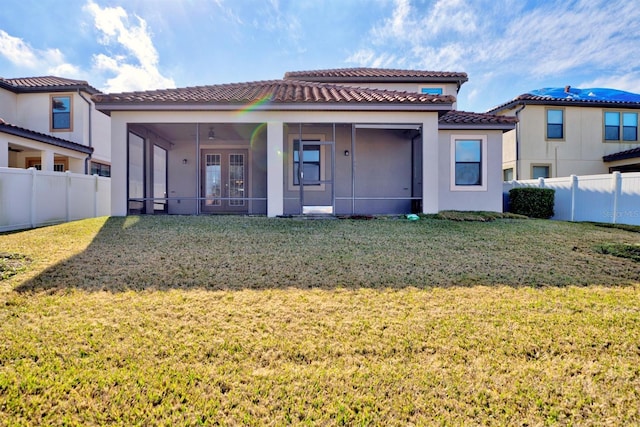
(86, 161)
(109, 107)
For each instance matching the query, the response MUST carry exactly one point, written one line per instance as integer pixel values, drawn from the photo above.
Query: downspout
(86, 161)
(518, 141)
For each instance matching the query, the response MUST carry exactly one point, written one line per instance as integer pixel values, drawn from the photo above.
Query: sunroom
(333, 168)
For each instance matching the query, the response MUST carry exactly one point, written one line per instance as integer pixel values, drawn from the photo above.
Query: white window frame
(483, 163)
(306, 137)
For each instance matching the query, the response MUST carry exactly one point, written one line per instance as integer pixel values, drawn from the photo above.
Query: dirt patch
(12, 264)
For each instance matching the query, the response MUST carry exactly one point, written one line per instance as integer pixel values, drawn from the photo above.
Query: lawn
(254, 321)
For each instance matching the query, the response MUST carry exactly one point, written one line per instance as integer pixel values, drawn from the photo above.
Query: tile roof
(45, 84)
(456, 118)
(272, 93)
(42, 137)
(528, 98)
(375, 74)
(622, 155)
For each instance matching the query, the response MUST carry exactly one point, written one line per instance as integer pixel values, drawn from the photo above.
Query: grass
(252, 321)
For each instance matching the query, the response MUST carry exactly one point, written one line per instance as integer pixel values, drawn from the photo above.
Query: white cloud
(48, 61)
(524, 43)
(412, 25)
(17, 51)
(562, 36)
(135, 69)
(362, 57)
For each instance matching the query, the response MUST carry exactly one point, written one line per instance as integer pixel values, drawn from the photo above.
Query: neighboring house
(318, 142)
(569, 131)
(50, 123)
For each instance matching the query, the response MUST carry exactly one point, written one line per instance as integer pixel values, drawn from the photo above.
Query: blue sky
(507, 47)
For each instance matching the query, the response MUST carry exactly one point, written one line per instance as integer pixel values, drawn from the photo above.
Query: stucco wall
(101, 136)
(32, 111)
(579, 153)
(489, 200)
(447, 88)
(8, 103)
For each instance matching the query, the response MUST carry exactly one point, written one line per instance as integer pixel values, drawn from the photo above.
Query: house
(569, 131)
(343, 141)
(51, 123)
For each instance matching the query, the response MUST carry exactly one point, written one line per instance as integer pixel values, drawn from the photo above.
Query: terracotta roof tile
(42, 137)
(527, 98)
(45, 83)
(273, 92)
(623, 155)
(455, 117)
(362, 74)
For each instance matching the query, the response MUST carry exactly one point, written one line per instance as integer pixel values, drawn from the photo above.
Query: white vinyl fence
(613, 198)
(31, 198)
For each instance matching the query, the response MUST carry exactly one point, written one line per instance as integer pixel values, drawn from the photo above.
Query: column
(430, 161)
(118, 167)
(275, 169)
(4, 154)
(46, 160)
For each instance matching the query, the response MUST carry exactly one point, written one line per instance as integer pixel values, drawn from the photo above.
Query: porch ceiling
(181, 131)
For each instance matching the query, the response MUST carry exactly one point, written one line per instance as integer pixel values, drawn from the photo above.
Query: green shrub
(532, 202)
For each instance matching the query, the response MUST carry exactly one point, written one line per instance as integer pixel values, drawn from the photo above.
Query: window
(431, 90)
(540, 171)
(469, 164)
(507, 174)
(310, 162)
(100, 169)
(618, 124)
(555, 124)
(60, 164)
(61, 117)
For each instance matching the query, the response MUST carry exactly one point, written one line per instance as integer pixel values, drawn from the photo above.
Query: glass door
(315, 172)
(225, 179)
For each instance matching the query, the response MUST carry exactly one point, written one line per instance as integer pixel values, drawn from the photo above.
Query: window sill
(469, 188)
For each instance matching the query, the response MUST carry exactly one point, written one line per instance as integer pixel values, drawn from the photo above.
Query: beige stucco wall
(32, 111)
(8, 102)
(38, 150)
(509, 151)
(489, 200)
(447, 88)
(101, 136)
(579, 153)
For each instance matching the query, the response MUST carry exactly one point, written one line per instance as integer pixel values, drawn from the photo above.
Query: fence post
(95, 195)
(574, 189)
(617, 188)
(34, 199)
(541, 182)
(67, 189)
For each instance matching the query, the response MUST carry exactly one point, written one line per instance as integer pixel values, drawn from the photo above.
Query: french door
(225, 181)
